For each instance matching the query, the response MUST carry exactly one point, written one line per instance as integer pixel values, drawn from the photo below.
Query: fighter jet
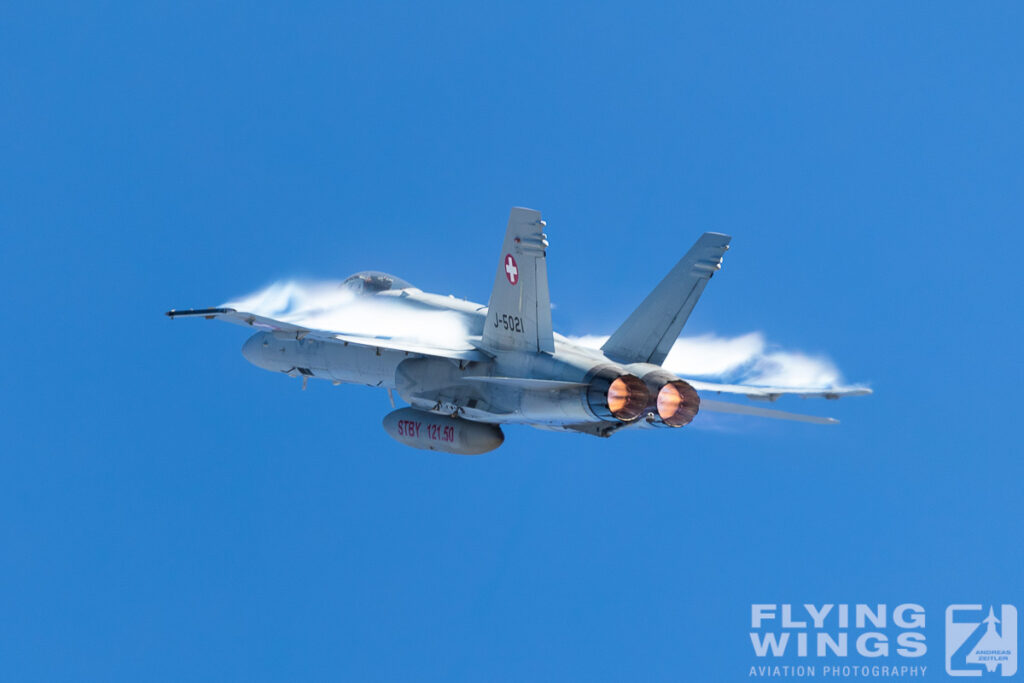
(511, 367)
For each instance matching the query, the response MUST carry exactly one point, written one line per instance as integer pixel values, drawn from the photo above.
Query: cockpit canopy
(373, 281)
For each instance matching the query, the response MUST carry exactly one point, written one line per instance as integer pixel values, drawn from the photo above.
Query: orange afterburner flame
(668, 401)
(677, 403)
(627, 397)
(618, 396)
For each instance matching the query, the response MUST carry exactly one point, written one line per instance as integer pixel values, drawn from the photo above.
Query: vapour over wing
(767, 393)
(293, 331)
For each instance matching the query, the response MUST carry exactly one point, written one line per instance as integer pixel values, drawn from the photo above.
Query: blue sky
(169, 512)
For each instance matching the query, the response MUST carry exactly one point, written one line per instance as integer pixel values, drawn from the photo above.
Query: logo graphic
(976, 644)
(511, 269)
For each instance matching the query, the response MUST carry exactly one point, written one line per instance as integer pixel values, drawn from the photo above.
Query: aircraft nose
(253, 348)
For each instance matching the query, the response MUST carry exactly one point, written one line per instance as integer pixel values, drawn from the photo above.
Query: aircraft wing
(249, 320)
(758, 411)
(767, 393)
(290, 330)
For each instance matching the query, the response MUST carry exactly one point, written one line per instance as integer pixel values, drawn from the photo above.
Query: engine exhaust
(673, 403)
(677, 403)
(613, 395)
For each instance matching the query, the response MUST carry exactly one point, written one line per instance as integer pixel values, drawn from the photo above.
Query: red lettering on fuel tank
(444, 433)
(408, 428)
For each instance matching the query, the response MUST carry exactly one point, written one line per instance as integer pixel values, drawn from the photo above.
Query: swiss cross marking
(511, 269)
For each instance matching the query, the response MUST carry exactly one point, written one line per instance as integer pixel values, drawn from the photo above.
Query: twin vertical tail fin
(648, 334)
(519, 316)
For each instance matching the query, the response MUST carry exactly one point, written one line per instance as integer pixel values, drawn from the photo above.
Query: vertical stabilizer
(648, 334)
(519, 316)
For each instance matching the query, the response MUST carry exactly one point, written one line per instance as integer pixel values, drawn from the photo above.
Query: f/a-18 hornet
(511, 367)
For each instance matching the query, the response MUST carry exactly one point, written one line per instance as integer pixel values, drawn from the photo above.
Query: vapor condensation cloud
(327, 305)
(745, 359)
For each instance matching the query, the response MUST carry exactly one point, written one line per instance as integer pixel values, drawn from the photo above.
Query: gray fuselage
(466, 387)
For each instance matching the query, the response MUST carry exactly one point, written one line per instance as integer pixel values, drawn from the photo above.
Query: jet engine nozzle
(674, 403)
(677, 403)
(617, 396)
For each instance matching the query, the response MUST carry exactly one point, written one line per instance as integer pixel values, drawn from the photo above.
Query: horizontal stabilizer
(758, 411)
